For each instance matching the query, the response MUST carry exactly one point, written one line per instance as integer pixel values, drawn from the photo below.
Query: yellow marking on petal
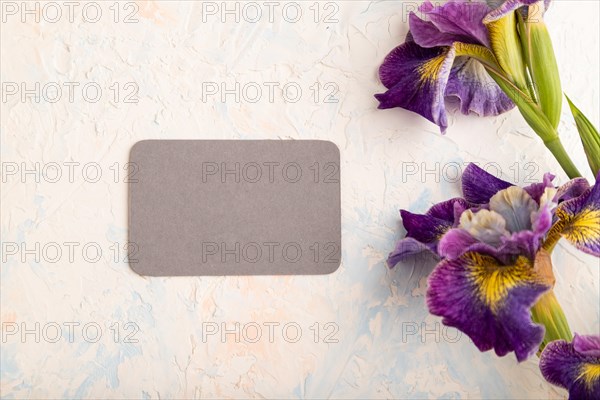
(441, 231)
(495, 281)
(580, 229)
(553, 236)
(480, 53)
(430, 70)
(584, 227)
(590, 373)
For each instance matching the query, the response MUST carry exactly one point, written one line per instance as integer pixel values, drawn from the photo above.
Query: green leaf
(589, 137)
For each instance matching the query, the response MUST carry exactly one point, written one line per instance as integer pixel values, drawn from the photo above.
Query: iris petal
(426, 34)
(408, 247)
(416, 78)
(526, 243)
(423, 231)
(457, 242)
(485, 226)
(454, 21)
(488, 301)
(449, 210)
(503, 7)
(572, 189)
(515, 205)
(424, 228)
(479, 186)
(587, 345)
(541, 220)
(422, 234)
(579, 221)
(536, 190)
(565, 365)
(476, 90)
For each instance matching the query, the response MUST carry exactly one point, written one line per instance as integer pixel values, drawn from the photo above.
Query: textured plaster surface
(381, 342)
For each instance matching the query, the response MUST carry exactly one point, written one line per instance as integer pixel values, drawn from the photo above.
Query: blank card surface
(234, 207)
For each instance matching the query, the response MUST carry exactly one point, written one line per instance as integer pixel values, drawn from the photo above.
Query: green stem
(555, 146)
(548, 312)
(534, 116)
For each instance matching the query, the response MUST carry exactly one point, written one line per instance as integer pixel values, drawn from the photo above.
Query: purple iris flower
(494, 279)
(436, 62)
(574, 366)
(490, 55)
(425, 231)
(494, 246)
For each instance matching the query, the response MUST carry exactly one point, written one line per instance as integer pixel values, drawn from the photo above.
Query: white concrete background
(168, 53)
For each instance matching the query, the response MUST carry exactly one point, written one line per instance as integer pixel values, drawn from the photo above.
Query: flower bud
(542, 63)
(507, 49)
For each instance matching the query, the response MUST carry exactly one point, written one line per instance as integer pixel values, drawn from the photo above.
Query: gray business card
(234, 207)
